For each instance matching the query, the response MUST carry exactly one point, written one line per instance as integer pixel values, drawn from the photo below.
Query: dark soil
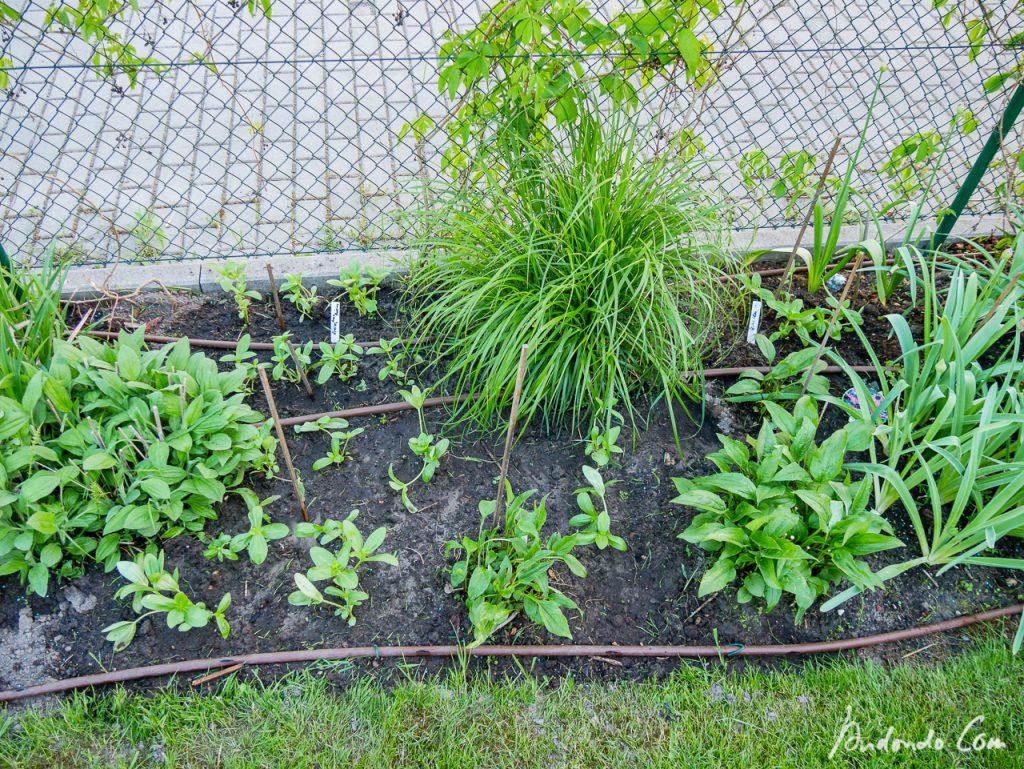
(647, 595)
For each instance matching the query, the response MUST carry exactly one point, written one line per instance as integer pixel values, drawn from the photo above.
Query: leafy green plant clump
(952, 452)
(787, 519)
(507, 569)
(341, 568)
(152, 587)
(608, 265)
(106, 444)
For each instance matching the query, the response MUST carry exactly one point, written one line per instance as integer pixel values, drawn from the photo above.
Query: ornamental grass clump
(609, 264)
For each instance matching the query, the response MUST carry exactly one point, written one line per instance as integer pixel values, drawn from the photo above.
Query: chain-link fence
(280, 136)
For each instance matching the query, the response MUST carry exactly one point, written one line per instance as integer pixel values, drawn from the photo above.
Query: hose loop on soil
(390, 408)
(542, 650)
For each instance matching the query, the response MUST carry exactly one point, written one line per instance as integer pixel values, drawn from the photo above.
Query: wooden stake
(499, 509)
(832, 322)
(301, 369)
(787, 276)
(277, 297)
(284, 443)
(81, 324)
(999, 301)
(218, 674)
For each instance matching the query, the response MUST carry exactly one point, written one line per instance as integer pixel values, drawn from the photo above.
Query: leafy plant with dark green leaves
(786, 380)
(610, 266)
(108, 444)
(340, 359)
(152, 587)
(506, 571)
(340, 568)
(787, 518)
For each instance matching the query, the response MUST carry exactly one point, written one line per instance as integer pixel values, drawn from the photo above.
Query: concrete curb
(201, 277)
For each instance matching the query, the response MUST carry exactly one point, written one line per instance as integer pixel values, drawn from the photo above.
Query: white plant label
(335, 321)
(755, 320)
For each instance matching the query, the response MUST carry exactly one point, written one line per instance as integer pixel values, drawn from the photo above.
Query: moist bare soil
(647, 595)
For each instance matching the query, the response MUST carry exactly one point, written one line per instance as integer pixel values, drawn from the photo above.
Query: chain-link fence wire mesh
(281, 136)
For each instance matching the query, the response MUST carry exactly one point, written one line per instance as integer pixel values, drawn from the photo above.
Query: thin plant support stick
(272, 404)
(787, 275)
(1005, 292)
(277, 298)
(284, 329)
(499, 508)
(301, 369)
(832, 321)
(81, 324)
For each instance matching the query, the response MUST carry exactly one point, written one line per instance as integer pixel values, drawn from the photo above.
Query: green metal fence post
(970, 184)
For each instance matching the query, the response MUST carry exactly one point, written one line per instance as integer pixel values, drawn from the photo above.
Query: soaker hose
(542, 650)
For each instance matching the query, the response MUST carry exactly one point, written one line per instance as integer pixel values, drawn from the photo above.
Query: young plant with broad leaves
(154, 590)
(786, 380)
(361, 286)
(339, 568)
(340, 359)
(286, 365)
(787, 518)
(507, 571)
(595, 524)
(106, 445)
(426, 446)
(232, 279)
(303, 297)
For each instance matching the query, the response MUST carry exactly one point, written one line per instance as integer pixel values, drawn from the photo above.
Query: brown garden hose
(542, 650)
(213, 344)
(390, 408)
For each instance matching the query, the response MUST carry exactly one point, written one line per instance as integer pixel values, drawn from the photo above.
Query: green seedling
(232, 280)
(425, 446)
(338, 454)
(595, 524)
(152, 587)
(284, 362)
(340, 568)
(261, 531)
(341, 360)
(299, 295)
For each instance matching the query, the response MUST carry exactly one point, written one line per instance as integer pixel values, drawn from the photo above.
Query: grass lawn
(703, 716)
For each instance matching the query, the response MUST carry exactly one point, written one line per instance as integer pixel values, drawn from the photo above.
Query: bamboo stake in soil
(499, 508)
(284, 329)
(832, 321)
(301, 369)
(272, 404)
(277, 297)
(1005, 292)
(787, 275)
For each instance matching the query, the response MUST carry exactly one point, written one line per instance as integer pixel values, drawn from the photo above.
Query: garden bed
(646, 595)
